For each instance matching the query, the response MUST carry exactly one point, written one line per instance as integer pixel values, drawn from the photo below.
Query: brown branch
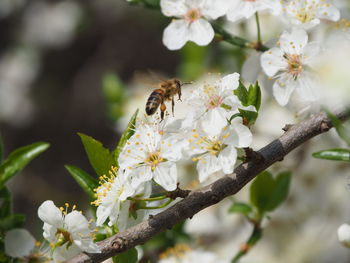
(212, 194)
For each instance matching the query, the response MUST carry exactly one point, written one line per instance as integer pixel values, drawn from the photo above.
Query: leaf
(129, 256)
(249, 117)
(254, 96)
(242, 93)
(12, 221)
(100, 158)
(280, 192)
(333, 154)
(260, 190)
(86, 181)
(241, 208)
(6, 202)
(338, 125)
(1, 149)
(128, 132)
(19, 159)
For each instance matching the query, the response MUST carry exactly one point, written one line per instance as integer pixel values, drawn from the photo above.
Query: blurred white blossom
(344, 235)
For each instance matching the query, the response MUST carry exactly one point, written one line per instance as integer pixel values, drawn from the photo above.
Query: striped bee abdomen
(154, 100)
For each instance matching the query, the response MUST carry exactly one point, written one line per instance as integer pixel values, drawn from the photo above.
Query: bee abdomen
(154, 101)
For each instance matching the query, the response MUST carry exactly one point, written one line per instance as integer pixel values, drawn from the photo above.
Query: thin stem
(258, 27)
(156, 207)
(156, 198)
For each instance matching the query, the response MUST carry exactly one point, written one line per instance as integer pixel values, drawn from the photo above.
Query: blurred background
(83, 66)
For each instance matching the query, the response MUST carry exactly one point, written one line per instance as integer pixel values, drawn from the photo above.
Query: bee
(166, 92)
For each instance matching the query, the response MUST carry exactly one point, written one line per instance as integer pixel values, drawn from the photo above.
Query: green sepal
(19, 159)
(85, 181)
(240, 208)
(254, 96)
(333, 154)
(129, 256)
(11, 222)
(100, 158)
(128, 132)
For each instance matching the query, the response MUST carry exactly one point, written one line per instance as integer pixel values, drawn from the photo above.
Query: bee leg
(179, 93)
(172, 106)
(162, 110)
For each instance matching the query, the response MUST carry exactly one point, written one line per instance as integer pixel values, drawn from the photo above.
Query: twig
(214, 193)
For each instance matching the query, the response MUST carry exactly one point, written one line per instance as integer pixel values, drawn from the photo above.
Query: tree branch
(212, 194)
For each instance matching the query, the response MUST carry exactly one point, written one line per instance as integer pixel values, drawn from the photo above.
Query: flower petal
(283, 88)
(105, 210)
(229, 82)
(240, 135)
(50, 214)
(19, 243)
(140, 175)
(293, 42)
(213, 121)
(200, 32)
(166, 175)
(215, 9)
(306, 87)
(206, 166)
(176, 34)
(62, 254)
(272, 61)
(328, 11)
(176, 8)
(75, 223)
(227, 159)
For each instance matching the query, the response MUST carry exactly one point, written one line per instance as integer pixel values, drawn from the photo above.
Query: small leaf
(260, 191)
(128, 132)
(333, 154)
(6, 202)
(341, 130)
(129, 256)
(254, 96)
(249, 117)
(12, 221)
(86, 181)
(19, 159)
(99, 157)
(1, 149)
(241, 208)
(242, 93)
(280, 191)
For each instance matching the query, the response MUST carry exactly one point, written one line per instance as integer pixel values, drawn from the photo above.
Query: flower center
(215, 147)
(193, 15)
(295, 66)
(214, 101)
(153, 160)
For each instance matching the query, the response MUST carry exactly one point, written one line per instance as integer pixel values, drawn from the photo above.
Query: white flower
(307, 13)
(290, 64)
(192, 24)
(150, 155)
(344, 235)
(239, 9)
(19, 243)
(215, 103)
(184, 254)
(112, 199)
(218, 152)
(62, 228)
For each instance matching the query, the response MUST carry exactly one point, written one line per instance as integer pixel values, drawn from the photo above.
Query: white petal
(306, 87)
(229, 82)
(215, 9)
(176, 34)
(293, 42)
(166, 175)
(123, 216)
(329, 12)
(104, 211)
(272, 61)
(175, 8)
(240, 9)
(344, 235)
(240, 135)
(50, 214)
(251, 68)
(206, 166)
(283, 88)
(213, 121)
(62, 254)
(131, 155)
(200, 32)
(310, 52)
(87, 245)
(76, 223)
(140, 175)
(19, 243)
(227, 159)
(49, 232)
(171, 148)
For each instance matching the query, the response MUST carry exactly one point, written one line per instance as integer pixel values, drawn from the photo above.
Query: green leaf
(129, 256)
(338, 125)
(241, 208)
(333, 154)
(86, 181)
(280, 191)
(249, 117)
(128, 132)
(100, 158)
(242, 93)
(12, 221)
(19, 159)
(1, 149)
(6, 202)
(260, 191)
(254, 96)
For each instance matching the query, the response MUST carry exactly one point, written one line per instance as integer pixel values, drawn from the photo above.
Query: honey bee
(166, 92)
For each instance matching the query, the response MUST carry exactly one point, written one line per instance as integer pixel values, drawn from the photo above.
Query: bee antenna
(186, 83)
